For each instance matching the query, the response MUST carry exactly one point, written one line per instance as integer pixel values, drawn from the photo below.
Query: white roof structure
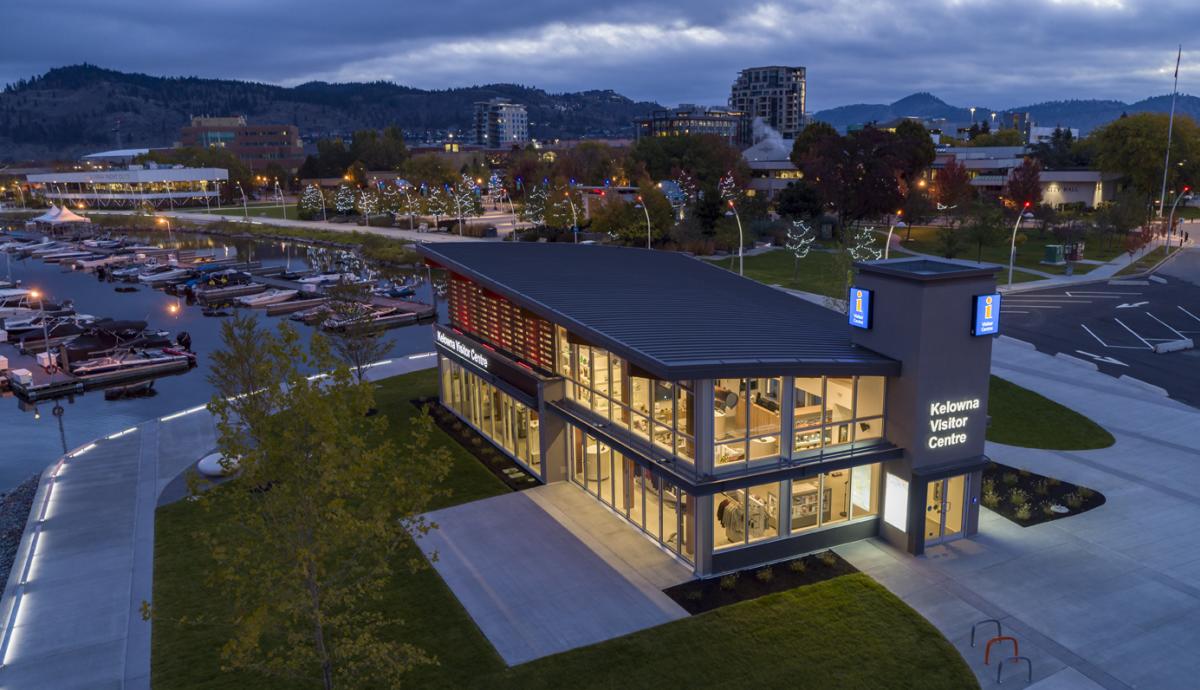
(48, 215)
(66, 215)
(146, 176)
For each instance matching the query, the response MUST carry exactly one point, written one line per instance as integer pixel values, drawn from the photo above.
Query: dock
(293, 306)
(57, 384)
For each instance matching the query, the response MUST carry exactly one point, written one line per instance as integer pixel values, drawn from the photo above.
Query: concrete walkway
(71, 613)
(1109, 598)
(550, 569)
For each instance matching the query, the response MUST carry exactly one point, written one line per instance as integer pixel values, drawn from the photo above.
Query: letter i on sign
(858, 300)
(987, 307)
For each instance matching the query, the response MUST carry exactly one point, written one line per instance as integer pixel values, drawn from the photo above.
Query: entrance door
(944, 509)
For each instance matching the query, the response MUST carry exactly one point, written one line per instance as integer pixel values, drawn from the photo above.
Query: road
(1118, 326)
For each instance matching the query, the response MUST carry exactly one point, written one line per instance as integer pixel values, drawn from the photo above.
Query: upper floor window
(836, 411)
(746, 420)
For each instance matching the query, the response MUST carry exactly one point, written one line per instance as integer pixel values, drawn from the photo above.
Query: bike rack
(987, 651)
(1018, 659)
(985, 620)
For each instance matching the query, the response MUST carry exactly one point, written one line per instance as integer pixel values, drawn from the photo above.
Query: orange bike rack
(987, 651)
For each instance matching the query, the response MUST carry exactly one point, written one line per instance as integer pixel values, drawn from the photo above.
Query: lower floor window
(503, 419)
(653, 503)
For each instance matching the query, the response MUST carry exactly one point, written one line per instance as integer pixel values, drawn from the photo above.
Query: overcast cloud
(992, 53)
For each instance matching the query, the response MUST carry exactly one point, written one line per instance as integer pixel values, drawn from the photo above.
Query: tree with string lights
(343, 200)
(312, 202)
(534, 209)
(800, 238)
(864, 245)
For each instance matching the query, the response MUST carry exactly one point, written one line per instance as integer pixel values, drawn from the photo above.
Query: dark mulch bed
(499, 464)
(698, 596)
(1045, 498)
(14, 513)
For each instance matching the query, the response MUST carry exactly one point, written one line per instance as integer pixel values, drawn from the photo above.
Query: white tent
(66, 215)
(48, 215)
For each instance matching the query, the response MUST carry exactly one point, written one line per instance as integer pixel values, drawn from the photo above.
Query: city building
(991, 166)
(499, 123)
(1087, 188)
(1044, 135)
(771, 166)
(731, 125)
(731, 423)
(775, 94)
(132, 188)
(258, 146)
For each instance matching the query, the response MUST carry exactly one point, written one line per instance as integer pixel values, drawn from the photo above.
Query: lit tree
(438, 204)
(495, 188)
(343, 200)
(534, 210)
(864, 245)
(464, 199)
(368, 204)
(800, 238)
(728, 188)
(312, 201)
(564, 212)
(409, 204)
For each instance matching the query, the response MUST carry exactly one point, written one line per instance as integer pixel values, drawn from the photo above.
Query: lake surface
(32, 436)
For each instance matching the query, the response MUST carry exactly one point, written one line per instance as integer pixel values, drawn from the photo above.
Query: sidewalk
(1109, 598)
(71, 613)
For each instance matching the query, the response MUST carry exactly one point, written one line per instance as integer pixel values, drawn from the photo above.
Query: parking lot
(1119, 327)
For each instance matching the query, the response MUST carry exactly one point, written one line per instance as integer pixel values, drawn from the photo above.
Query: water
(32, 436)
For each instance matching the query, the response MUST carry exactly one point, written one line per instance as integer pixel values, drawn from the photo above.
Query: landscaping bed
(1028, 498)
(698, 596)
(487, 453)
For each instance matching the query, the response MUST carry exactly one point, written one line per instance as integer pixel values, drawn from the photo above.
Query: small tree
(368, 204)
(358, 342)
(1024, 184)
(534, 209)
(863, 248)
(949, 241)
(437, 204)
(343, 200)
(320, 519)
(983, 229)
(408, 204)
(800, 238)
(312, 202)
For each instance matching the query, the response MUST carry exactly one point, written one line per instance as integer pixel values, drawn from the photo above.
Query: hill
(1083, 114)
(72, 110)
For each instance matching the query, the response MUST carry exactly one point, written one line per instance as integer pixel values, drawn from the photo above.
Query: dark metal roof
(674, 316)
(926, 269)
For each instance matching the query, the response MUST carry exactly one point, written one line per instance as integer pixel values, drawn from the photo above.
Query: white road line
(1013, 311)
(1106, 295)
(1185, 311)
(1167, 325)
(1040, 306)
(1148, 345)
(1094, 335)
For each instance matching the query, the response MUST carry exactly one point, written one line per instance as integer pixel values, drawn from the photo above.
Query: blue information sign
(860, 307)
(987, 315)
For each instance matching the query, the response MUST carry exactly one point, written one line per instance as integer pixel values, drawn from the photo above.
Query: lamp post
(741, 240)
(642, 205)
(41, 298)
(574, 218)
(972, 109)
(245, 208)
(891, 227)
(1012, 246)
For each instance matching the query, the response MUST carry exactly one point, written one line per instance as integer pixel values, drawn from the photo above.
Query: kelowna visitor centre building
(734, 424)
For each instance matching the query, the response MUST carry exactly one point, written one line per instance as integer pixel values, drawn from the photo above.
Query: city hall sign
(948, 422)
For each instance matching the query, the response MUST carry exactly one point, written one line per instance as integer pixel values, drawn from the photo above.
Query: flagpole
(1162, 202)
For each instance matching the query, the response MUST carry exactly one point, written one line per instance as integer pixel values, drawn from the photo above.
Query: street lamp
(245, 208)
(37, 295)
(891, 227)
(642, 205)
(741, 240)
(972, 109)
(1012, 246)
(574, 218)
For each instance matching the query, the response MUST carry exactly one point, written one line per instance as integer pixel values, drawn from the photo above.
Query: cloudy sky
(993, 53)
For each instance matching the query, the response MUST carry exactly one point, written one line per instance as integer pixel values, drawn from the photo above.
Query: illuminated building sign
(987, 315)
(948, 422)
(860, 307)
(462, 349)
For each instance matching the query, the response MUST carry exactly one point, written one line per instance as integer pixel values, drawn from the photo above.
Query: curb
(1017, 342)
(1147, 387)
(1077, 361)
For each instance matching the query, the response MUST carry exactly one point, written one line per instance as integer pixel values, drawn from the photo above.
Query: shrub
(1010, 478)
(991, 499)
(1041, 488)
(728, 582)
(798, 566)
(1073, 500)
(1024, 512)
(1085, 492)
(828, 558)
(989, 485)
(1053, 481)
(1018, 497)
(476, 441)
(1048, 509)
(694, 594)
(765, 575)
(1023, 473)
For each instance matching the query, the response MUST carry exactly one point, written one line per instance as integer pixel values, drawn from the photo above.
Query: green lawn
(848, 632)
(1023, 418)
(1147, 262)
(1029, 254)
(289, 211)
(818, 272)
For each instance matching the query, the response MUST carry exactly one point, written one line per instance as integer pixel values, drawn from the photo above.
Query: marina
(91, 396)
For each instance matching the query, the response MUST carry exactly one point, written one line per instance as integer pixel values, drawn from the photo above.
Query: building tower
(776, 94)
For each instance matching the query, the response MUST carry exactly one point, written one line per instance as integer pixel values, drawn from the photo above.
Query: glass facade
(757, 513)
(833, 412)
(660, 412)
(658, 507)
(746, 421)
(504, 420)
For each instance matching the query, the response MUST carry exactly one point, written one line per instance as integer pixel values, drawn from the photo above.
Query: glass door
(944, 512)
